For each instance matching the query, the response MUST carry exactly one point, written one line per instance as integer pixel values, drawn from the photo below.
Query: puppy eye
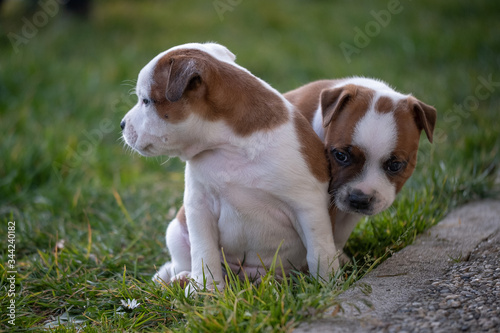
(394, 166)
(341, 157)
(146, 101)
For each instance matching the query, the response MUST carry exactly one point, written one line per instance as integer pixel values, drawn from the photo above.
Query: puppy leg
(205, 250)
(316, 233)
(343, 224)
(177, 240)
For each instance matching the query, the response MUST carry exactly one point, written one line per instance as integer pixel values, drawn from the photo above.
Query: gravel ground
(448, 280)
(465, 299)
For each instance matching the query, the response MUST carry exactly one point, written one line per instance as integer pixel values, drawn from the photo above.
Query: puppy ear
(425, 116)
(334, 100)
(184, 74)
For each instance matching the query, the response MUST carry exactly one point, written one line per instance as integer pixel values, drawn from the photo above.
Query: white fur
(245, 195)
(317, 124)
(376, 135)
(251, 199)
(381, 87)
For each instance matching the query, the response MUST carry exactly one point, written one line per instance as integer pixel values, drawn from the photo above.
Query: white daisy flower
(130, 304)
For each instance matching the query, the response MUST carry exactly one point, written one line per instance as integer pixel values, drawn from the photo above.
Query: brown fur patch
(312, 149)
(341, 130)
(407, 143)
(412, 116)
(384, 104)
(222, 92)
(306, 98)
(343, 174)
(181, 216)
(425, 116)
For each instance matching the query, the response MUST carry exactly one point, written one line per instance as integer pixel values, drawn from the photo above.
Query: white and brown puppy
(256, 174)
(371, 133)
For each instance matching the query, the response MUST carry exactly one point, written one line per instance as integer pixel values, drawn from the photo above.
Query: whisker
(129, 82)
(333, 194)
(392, 210)
(165, 162)
(132, 91)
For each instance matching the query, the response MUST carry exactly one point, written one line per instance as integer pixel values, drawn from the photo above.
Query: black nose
(359, 200)
(122, 124)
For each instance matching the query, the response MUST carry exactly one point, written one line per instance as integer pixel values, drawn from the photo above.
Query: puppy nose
(359, 200)
(122, 124)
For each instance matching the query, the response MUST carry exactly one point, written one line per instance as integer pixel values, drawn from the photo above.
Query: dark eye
(341, 157)
(146, 101)
(394, 166)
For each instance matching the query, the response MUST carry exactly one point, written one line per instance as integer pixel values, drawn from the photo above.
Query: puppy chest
(253, 224)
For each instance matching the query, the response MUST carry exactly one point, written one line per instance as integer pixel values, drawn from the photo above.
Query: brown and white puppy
(256, 174)
(371, 133)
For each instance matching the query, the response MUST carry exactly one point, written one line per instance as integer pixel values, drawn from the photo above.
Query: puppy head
(372, 134)
(172, 90)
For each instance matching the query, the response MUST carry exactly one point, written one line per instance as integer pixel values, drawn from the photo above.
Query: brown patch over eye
(339, 135)
(343, 172)
(407, 144)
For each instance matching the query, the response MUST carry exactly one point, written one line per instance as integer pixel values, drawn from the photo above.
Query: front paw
(324, 269)
(193, 287)
(344, 259)
(163, 276)
(166, 275)
(182, 279)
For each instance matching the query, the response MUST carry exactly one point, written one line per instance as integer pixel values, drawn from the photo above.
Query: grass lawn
(90, 216)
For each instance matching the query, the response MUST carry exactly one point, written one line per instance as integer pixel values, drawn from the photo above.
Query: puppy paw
(167, 273)
(182, 279)
(344, 259)
(192, 287)
(162, 277)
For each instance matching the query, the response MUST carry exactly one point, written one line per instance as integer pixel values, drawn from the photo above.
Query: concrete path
(400, 280)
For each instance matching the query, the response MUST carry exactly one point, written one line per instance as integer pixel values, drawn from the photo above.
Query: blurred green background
(65, 83)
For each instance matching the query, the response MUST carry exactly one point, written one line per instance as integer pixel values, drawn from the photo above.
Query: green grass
(65, 175)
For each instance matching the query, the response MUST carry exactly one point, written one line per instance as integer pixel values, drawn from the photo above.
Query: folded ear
(184, 74)
(425, 116)
(334, 100)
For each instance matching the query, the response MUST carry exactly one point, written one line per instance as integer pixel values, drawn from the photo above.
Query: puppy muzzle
(360, 201)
